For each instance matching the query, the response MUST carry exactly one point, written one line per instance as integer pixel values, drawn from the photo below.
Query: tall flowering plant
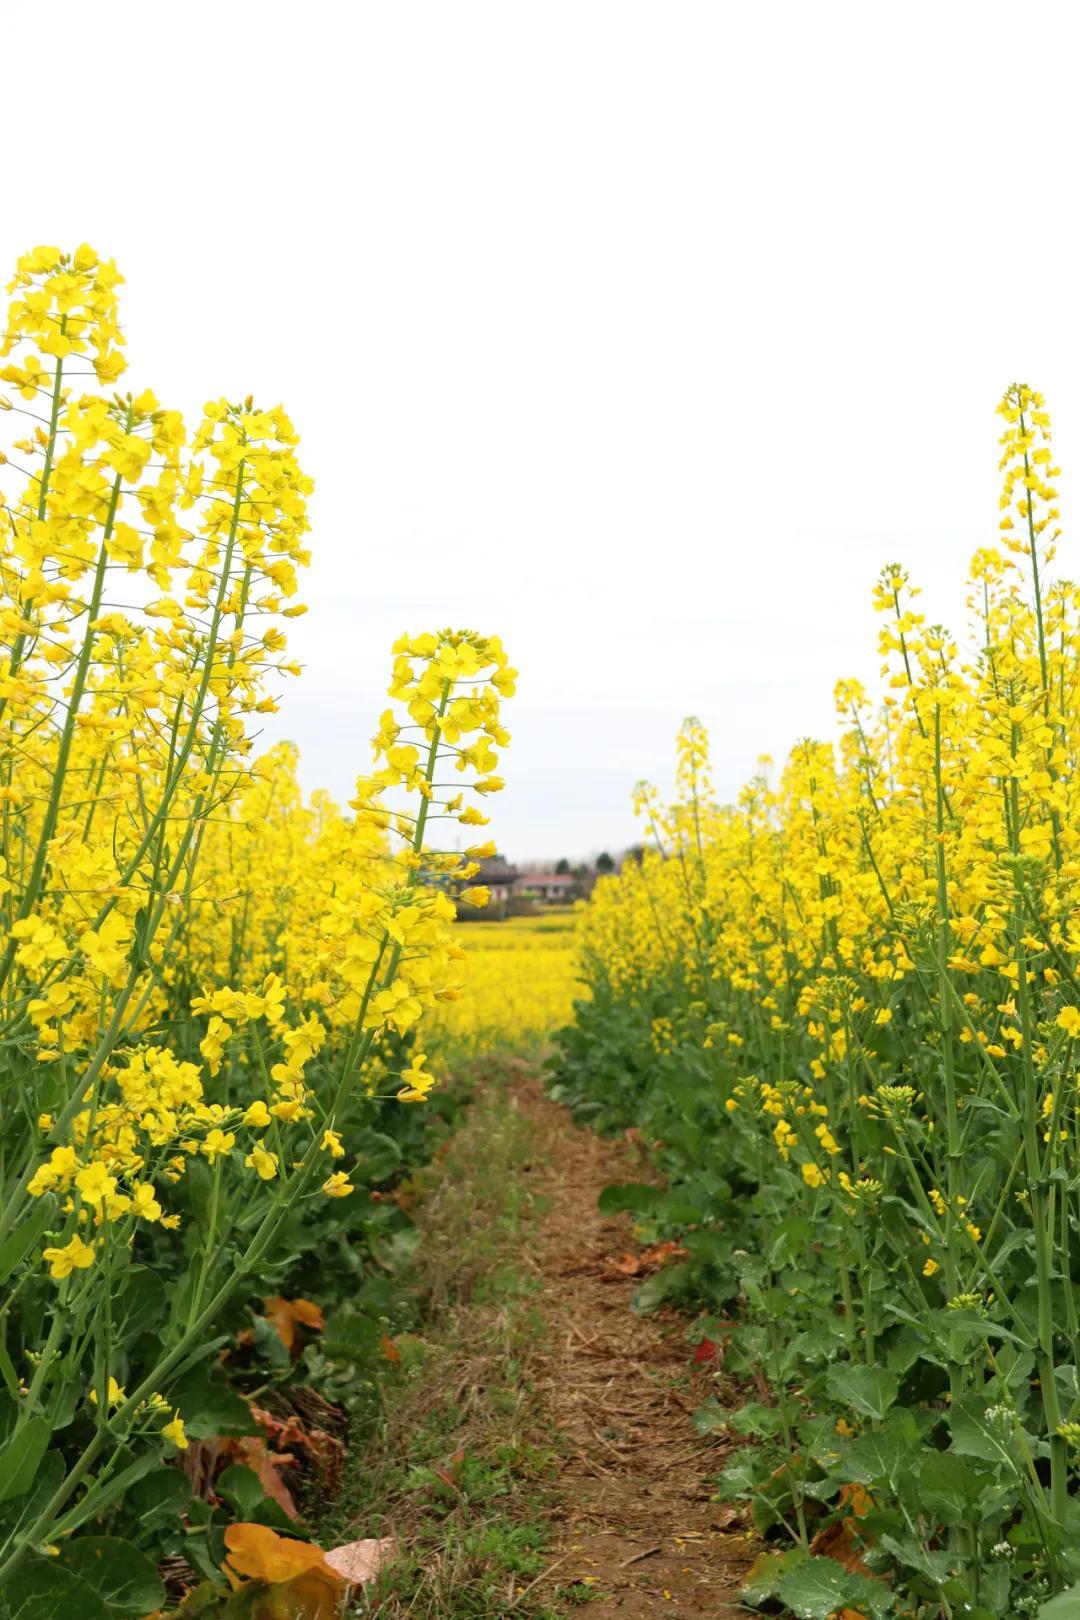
(848, 1006)
(201, 977)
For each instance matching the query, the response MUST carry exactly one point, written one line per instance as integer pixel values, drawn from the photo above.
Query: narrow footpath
(638, 1525)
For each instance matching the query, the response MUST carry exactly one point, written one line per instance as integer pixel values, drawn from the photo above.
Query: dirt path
(640, 1527)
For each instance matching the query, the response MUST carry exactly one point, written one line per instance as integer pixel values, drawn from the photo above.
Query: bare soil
(640, 1531)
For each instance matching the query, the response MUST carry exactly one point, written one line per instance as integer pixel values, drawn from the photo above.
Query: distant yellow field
(522, 981)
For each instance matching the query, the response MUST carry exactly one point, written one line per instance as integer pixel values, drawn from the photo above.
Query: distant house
(500, 877)
(550, 888)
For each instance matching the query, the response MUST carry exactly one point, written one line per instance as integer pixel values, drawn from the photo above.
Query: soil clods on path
(641, 1534)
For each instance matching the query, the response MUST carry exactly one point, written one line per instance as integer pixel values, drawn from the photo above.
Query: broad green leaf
(141, 1304)
(661, 1286)
(870, 1391)
(738, 1479)
(756, 1420)
(636, 1196)
(820, 1343)
(351, 1336)
(43, 1590)
(994, 1584)
(711, 1417)
(818, 1587)
(1022, 1238)
(947, 1486)
(973, 1326)
(20, 1457)
(17, 1515)
(155, 1500)
(876, 1459)
(267, 1342)
(122, 1576)
(1066, 1606)
(242, 1489)
(379, 1155)
(765, 1571)
(790, 1241)
(395, 1251)
(911, 1554)
(210, 1408)
(976, 1434)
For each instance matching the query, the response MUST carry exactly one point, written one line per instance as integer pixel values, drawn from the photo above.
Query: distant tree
(604, 862)
(562, 868)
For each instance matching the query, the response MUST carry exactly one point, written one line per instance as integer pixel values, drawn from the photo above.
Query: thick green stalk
(965, 1534)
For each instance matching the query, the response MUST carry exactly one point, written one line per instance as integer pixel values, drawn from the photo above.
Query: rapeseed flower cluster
(202, 973)
(882, 945)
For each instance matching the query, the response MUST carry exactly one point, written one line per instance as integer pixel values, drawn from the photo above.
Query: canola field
(522, 977)
(847, 1007)
(842, 1010)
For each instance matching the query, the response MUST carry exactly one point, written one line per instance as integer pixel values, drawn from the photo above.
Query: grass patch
(459, 1464)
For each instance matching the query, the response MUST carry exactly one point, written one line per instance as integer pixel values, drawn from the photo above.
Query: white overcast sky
(642, 334)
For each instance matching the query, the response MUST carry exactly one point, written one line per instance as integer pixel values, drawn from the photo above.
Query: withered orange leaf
(285, 1315)
(261, 1554)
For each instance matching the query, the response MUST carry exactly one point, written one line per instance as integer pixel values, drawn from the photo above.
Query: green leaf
(1066, 1606)
(948, 1485)
(974, 1434)
(121, 1575)
(158, 1498)
(911, 1554)
(764, 1573)
(210, 1408)
(351, 1336)
(395, 1251)
(790, 1241)
(242, 1489)
(206, 1602)
(141, 1303)
(268, 1343)
(876, 1459)
(661, 1286)
(21, 1456)
(994, 1584)
(973, 1326)
(756, 1420)
(26, 1234)
(7, 1372)
(105, 1491)
(1022, 1238)
(43, 1590)
(739, 1479)
(636, 1196)
(817, 1587)
(870, 1391)
(820, 1343)
(710, 1417)
(379, 1155)
(137, 953)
